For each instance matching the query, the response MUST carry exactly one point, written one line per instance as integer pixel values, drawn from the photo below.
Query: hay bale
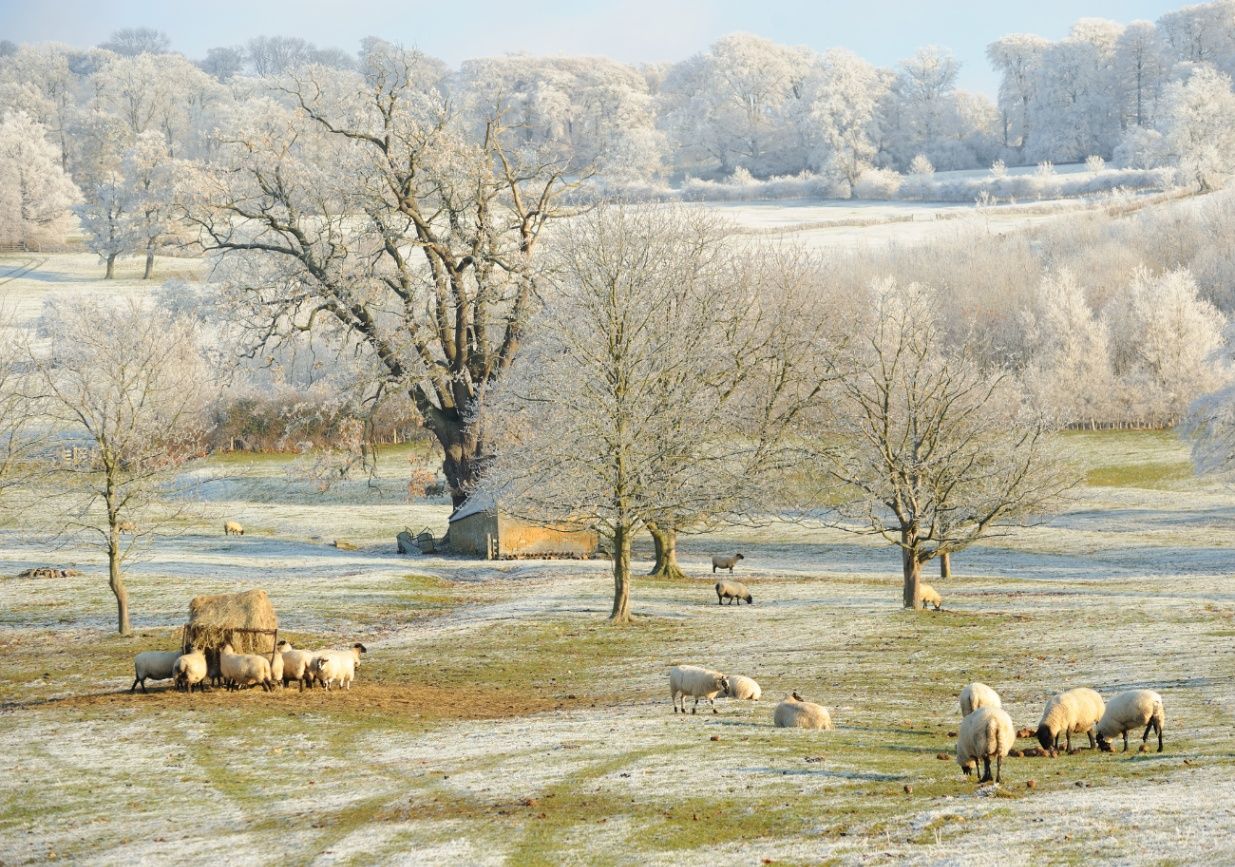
(215, 620)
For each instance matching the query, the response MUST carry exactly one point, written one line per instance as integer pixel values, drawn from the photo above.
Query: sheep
(152, 665)
(1130, 710)
(129, 527)
(984, 734)
(743, 688)
(930, 596)
(691, 680)
(328, 666)
(190, 669)
(977, 695)
(276, 667)
(232, 528)
(734, 591)
(797, 712)
(729, 562)
(244, 669)
(1075, 711)
(295, 664)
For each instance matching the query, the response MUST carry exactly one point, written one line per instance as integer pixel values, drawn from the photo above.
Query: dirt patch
(426, 702)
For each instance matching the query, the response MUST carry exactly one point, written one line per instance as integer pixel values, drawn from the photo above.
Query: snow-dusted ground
(1129, 587)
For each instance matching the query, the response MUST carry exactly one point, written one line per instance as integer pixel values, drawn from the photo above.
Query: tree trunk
(461, 450)
(912, 594)
(116, 581)
(665, 541)
(149, 262)
(621, 576)
(111, 267)
(945, 566)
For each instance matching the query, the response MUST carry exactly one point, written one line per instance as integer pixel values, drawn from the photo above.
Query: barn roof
(474, 505)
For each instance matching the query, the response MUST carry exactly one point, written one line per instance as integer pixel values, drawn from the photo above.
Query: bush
(878, 185)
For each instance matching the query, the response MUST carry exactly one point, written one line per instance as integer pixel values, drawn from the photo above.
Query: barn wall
(470, 535)
(519, 539)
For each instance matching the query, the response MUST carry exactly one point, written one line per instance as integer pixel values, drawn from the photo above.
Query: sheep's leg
(133, 688)
(986, 770)
(1093, 745)
(712, 701)
(143, 685)
(1158, 727)
(695, 707)
(999, 769)
(1067, 739)
(1125, 740)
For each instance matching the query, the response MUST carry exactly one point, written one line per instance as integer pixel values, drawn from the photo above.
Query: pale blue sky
(883, 31)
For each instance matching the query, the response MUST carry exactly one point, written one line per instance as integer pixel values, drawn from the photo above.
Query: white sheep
(743, 688)
(1131, 710)
(232, 528)
(1067, 713)
(719, 562)
(153, 665)
(295, 664)
(734, 591)
(129, 527)
(797, 712)
(930, 596)
(276, 667)
(244, 669)
(691, 680)
(329, 666)
(190, 670)
(985, 734)
(977, 695)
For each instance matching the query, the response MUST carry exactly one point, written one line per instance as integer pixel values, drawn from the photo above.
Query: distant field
(497, 718)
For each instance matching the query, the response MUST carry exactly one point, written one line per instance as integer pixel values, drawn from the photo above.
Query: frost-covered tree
(109, 227)
(926, 445)
(1164, 341)
(35, 193)
(1198, 127)
(165, 93)
(628, 409)
(224, 62)
(1017, 56)
(844, 93)
(132, 41)
(36, 79)
(131, 384)
(1077, 106)
(1141, 70)
(149, 192)
(434, 285)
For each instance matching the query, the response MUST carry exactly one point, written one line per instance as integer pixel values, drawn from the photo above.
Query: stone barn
(479, 527)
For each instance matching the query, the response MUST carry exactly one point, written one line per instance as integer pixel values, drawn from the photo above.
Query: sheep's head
(1045, 737)
(967, 765)
(738, 557)
(797, 696)
(283, 646)
(750, 599)
(1104, 744)
(226, 648)
(358, 649)
(723, 683)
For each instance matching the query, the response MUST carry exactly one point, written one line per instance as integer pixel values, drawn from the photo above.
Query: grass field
(499, 719)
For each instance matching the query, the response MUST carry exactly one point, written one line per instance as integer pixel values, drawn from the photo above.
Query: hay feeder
(245, 620)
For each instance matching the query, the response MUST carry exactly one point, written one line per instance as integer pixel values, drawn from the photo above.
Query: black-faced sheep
(719, 562)
(693, 681)
(296, 664)
(985, 734)
(1067, 713)
(734, 591)
(930, 596)
(152, 665)
(330, 666)
(232, 528)
(190, 670)
(244, 669)
(1131, 710)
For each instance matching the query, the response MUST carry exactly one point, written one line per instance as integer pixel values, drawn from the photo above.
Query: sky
(882, 31)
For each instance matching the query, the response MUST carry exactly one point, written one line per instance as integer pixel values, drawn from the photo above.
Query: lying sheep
(985, 734)
(797, 712)
(1075, 711)
(930, 596)
(691, 680)
(733, 591)
(190, 670)
(1131, 710)
(244, 669)
(743, 688)
(153, 665)
(295, 664)
(328, 666)
(232, 528)
(977, 695)
(729, 562)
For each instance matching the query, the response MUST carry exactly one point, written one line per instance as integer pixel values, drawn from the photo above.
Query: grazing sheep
(329, 666)
(985, 734)
(276, 668)
(733, 591)
(743, 688)
(1130, 710)
(930, 596)
(797, 712)
(129, 527)
(296, 664)
(153, 665)
(244, 669)
(977, 695)
(1075, 711)
(691, 680)
(190, 670)
(729, 562)
(232, 528)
